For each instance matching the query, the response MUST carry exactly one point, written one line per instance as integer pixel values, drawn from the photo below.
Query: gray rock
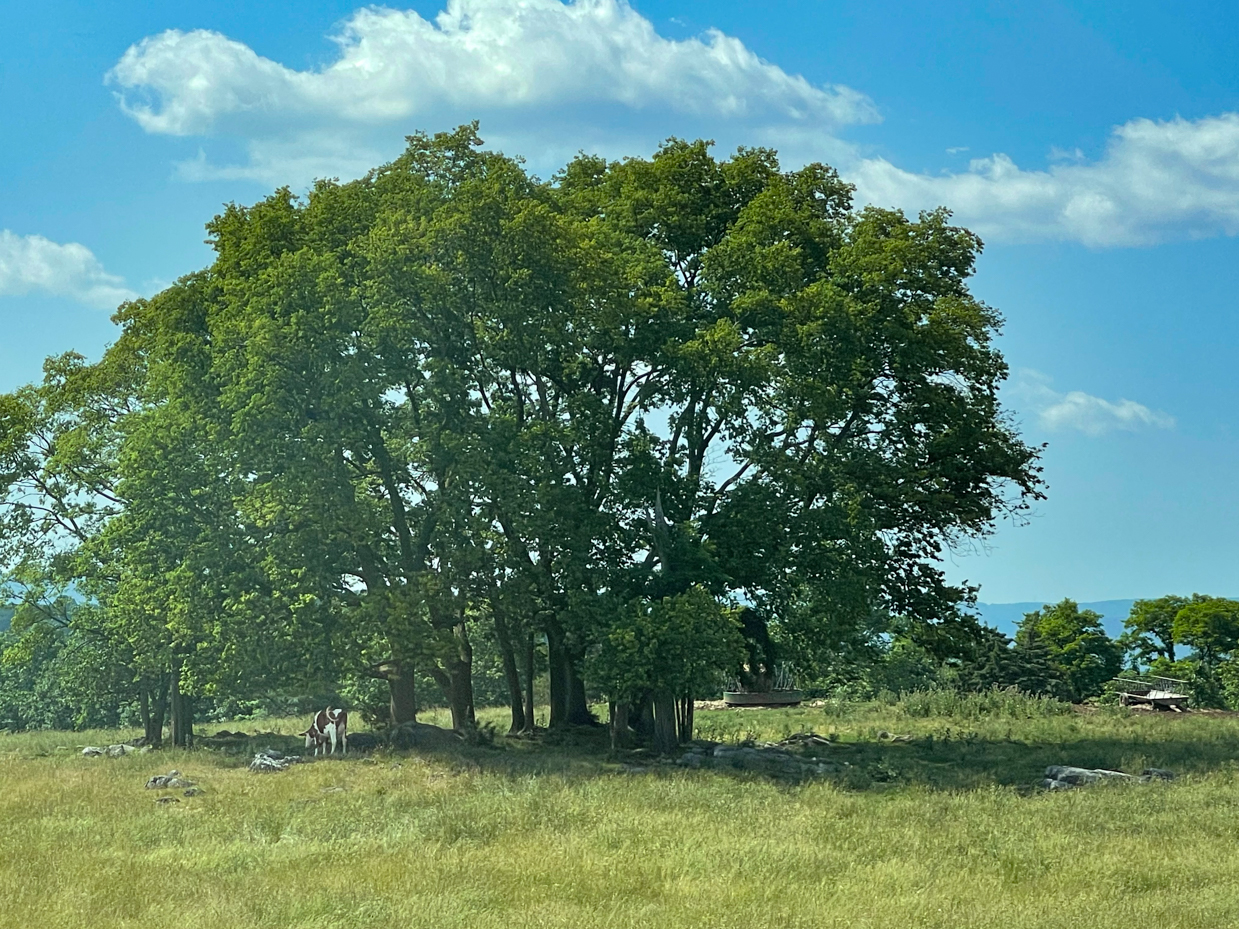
(194, 792)
(1156, 774)
(1078, 776)
(1062, 777)
(267, 762)
(164, 781)
(92, 751)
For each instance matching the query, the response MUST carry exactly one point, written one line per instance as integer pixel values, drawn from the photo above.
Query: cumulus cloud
(1082, 412)
(32, 263)
(557, 76)
(1156, 180)
(548, 78)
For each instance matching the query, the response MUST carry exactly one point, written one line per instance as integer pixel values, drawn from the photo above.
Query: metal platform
(768, 698)
(1161, 693)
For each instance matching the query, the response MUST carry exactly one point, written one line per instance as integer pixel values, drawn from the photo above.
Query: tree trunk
(644, 720)
(529, 669)
(154, 698)
(578, 707)
(620, 733)
(461, 670)
(403, 689)
(461, 697)
(456, 682)
(144, 708)
(665, 738)
(182, 713)
(558, 678)
(684, 718)
(511, 674)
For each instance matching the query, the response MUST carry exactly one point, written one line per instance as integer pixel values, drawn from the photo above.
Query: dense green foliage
(584, 419)
(1076, 645)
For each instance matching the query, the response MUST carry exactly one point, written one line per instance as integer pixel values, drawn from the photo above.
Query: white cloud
(1082, 412)
(1156, 180)
(32, 263)
(548, 78)
(551, 76)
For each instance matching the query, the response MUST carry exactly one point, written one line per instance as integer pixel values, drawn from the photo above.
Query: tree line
(633, 430)
(1064, 652)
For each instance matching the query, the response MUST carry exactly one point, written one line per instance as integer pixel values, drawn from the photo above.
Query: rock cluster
(171, 781)
(1064, 777)
(770, 759)
(113, 751)
(269, 761)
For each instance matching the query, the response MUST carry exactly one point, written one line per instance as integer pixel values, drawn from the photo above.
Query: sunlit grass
(953, 837)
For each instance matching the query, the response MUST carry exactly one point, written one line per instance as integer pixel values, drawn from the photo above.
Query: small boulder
(1061, 777)
(164, 781)
(1156, 774)
(269, 762)
(92, 751)
(194, 792)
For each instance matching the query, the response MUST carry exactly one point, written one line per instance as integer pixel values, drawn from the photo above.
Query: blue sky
(1095, 146)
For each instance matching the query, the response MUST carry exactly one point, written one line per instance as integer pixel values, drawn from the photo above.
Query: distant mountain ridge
(1006, 616)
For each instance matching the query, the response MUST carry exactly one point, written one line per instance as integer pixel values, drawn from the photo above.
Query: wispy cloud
(1082, 412)
(548, 74)
(32, 263)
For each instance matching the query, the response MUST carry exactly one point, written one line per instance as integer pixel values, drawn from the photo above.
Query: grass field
(942, 830)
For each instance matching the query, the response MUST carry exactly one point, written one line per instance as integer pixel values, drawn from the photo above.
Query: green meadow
(935, 821)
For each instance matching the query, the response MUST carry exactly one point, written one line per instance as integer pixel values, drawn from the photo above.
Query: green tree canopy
(1210, 626)
(449, 399)
(1150, 627)
(1078, 648)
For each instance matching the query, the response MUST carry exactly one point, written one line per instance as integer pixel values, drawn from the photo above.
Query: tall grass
(1000, 703)
(475, 840)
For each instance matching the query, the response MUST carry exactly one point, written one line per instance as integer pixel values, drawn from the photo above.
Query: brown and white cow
(329, 727)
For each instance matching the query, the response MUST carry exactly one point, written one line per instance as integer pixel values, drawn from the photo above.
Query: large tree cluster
(612, 421)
